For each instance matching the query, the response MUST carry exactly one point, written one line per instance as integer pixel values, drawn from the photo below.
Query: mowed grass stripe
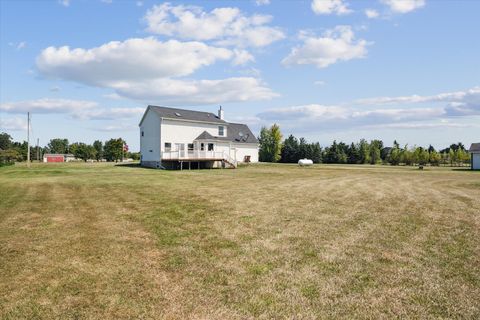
(266, 241)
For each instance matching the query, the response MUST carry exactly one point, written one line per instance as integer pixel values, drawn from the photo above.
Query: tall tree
(113, 150)
(58, 146)
(5, 141)
(375, 151)
(364, 150)
(394, 157)
(270, 144)
(98, 145)
(353, 154)
(277, 142)
(83, 151)
(290, 150)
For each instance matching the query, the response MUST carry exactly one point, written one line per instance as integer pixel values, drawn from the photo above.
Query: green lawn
(99, 241)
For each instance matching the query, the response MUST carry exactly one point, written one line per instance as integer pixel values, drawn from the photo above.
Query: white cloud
(467, 96)
(18, 46)
(116, 62)
(262, 2)
(143, 69)
(187, 92)
(109, 114)
(64, 3)
(13, 124)
(47, 105)
(338, 44)
(421, 125)
(338, 7)
(226, 26)
(242, 57)
(21, 45)
(113, 96)
(371, 13)
(319, 83)
(404, 6)
(453, 106)
(78, 109)
(113, 128)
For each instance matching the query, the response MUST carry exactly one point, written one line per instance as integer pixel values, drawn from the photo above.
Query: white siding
(245, 150)
(184, 132)
(150, 141)
(476, 161)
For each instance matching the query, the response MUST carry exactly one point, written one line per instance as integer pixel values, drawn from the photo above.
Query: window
(221, 130)
(142, 133)
(168, 146)
(190, 147)
(210, 147)
(202, 146)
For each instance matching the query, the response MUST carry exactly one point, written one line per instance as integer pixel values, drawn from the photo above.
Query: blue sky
(325, 70)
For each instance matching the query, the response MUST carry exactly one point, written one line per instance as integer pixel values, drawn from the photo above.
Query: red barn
(53, 157)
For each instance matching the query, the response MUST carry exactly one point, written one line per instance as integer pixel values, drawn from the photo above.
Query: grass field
(98, 241)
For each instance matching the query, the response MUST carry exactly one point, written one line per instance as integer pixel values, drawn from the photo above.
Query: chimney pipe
(220, 113)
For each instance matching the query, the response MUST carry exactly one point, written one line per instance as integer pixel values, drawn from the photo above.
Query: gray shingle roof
(475, 147)
(175, 113)
(236, 132)
(205, 136)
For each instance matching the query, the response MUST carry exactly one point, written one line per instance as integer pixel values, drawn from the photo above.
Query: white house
(178, 139)
(475, 152)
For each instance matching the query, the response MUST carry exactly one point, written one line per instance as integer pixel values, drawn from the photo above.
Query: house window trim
(167, 149)
(211, 145)
(221, 131)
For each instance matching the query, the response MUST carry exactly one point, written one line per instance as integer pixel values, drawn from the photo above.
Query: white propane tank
(305, 162)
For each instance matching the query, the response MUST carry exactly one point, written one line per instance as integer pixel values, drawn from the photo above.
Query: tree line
(111, 150)
(292, 149)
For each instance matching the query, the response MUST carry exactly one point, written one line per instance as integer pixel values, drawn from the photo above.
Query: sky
(324, 69)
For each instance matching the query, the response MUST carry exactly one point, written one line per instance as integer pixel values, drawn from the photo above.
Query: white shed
(475, 152)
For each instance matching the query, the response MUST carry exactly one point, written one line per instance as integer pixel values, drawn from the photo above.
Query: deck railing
(192, 155)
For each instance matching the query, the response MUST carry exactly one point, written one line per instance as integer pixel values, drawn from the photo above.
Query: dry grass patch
(266, 241)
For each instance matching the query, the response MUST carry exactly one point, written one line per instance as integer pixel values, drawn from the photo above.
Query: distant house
(475, 159)
(55, 157)
(173, 138)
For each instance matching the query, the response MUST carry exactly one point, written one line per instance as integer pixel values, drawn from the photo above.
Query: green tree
(335, 153)
(394, 156)
(434, 158)
(9, 156)
(98, 145)
(5, 141)
(451, 156)
(58, 146)
(407, 156)
(364, 150)
(113, 149)
(375, 151)
(290, 150)
(83, 151)
(270, 144)
(277, 142)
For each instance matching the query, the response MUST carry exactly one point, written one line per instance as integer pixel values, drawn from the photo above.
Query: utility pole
(38, 149)
(28, 139)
